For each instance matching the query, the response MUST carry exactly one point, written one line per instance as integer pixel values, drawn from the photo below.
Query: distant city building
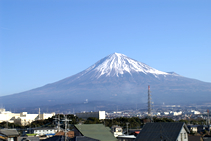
(22, 118)
(85, 115)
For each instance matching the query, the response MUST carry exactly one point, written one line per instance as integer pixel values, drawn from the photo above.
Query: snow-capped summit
(114, 80)
(117, 64)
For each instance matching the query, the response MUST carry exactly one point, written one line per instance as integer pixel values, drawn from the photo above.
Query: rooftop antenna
(149, 105)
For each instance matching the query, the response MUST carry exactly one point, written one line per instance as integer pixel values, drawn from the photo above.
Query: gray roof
(77, 138)
(9, 132)
(58, 138)
(161, 130)
(84, 138)
(194, 138)
(45, 128)
(28, 138)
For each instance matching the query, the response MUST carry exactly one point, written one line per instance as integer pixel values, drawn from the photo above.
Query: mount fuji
(115, 79)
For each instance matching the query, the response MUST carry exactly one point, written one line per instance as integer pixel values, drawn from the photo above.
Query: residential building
(117, 130)
(193, 128)
(165, 131)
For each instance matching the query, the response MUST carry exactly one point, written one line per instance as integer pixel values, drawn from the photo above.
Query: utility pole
(58, 122)
(127, 127)
(65, 130)
(149, 104)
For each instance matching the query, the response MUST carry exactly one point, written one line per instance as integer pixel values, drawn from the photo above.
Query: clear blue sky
(43, 41)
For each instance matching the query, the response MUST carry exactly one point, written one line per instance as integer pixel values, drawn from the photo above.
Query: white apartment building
(23, 118)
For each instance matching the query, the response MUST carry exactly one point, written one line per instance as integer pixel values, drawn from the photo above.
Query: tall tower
(149, 104)
(39, 114)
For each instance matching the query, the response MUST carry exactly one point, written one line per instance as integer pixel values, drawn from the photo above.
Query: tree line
(134, 122)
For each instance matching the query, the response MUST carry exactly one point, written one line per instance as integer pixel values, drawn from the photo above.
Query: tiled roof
(9, 132)
(96, 131)
(160, 130)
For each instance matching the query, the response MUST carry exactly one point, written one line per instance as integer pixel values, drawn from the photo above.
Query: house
(116, 130)
(193, 128)
(165, 131)
(45, 131)
(95, 131)
(9, 134)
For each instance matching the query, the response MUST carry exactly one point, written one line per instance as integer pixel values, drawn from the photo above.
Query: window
(184, 135)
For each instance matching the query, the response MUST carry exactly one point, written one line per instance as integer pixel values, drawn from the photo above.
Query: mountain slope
(114, 79)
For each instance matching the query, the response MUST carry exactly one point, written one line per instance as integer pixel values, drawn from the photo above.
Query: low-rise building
(45, 131)
(85, 115)
(116, 130)
(163, 131)
(22, 118)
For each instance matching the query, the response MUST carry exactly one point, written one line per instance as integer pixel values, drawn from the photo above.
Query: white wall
(23, 118)
(182, 135)
(101, 114)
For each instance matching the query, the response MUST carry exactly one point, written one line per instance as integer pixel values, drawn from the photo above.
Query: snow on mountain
(115, 79)
(117, 64)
